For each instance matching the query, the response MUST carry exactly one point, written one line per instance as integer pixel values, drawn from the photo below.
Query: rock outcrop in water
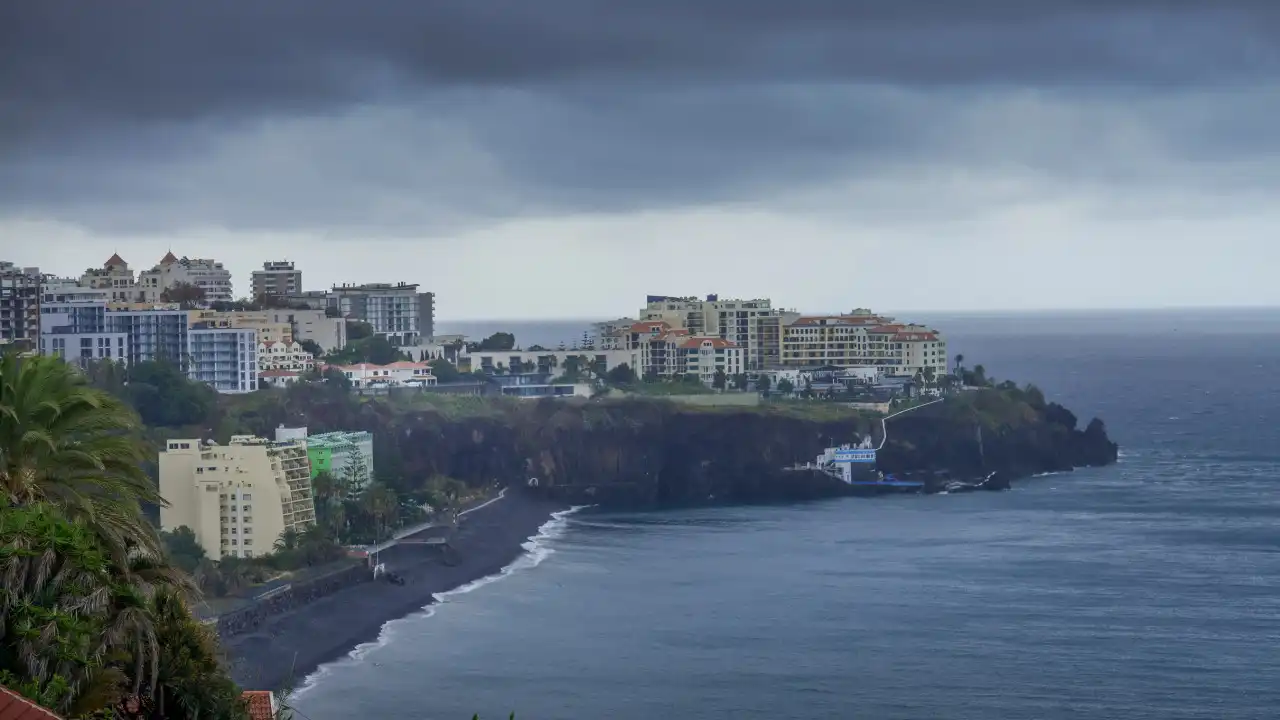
(651, 453)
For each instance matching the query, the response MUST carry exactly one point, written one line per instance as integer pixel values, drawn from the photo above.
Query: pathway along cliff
(641, 453)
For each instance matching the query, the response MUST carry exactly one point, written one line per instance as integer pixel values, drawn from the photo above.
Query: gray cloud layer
(424, 113)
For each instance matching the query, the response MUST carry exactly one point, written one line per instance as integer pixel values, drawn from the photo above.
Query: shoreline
(293, 646)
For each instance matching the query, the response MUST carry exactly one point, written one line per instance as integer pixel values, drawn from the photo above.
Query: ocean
(1150, 589)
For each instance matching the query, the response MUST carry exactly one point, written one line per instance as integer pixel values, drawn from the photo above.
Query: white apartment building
(863, 339)
(83, 330)
(542, 360)
(277, 355)
(364, 375)
(206, 274)
(663, 351)
(611, 334)
(394, 311)
(223, 358)
(330, 333)
(277, 278)
(731, 319)
(115, 277)
(239, 498)
(704, 357)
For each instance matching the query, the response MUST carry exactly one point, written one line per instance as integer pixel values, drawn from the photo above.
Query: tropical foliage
(93, 617)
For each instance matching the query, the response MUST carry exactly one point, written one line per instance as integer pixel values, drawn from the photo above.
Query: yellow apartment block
(237, 498)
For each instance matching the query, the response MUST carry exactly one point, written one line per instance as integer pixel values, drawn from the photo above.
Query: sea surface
(1150, 589)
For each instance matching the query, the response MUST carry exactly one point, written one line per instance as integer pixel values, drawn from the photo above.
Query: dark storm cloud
(110, 109)
(181, 59)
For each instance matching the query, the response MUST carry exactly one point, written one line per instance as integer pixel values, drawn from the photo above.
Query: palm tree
(380, 501)
(929, 375)
(288, 540)
(960, 364)
(76, 447)
(66, 611)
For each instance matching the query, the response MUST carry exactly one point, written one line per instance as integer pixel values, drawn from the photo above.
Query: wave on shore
(536, 549)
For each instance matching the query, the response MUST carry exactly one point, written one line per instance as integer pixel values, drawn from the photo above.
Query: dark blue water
(1146, 590)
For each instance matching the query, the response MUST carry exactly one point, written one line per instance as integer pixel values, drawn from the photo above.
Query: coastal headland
(615, 454)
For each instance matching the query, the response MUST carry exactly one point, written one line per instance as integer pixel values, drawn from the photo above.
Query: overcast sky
(563, 158)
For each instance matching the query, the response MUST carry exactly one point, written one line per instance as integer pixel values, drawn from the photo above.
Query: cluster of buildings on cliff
(239, 498)
(182, 311)
(692, 335)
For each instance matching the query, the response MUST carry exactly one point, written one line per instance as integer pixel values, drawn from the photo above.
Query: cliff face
(655, 454)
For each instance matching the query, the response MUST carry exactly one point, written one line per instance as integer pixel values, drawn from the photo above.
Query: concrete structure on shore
(238, 498)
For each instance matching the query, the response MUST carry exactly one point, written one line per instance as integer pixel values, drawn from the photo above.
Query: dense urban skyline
(519, 160)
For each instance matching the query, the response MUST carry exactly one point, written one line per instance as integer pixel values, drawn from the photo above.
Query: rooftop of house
(15, 707)
(261, 704)
(715, 342)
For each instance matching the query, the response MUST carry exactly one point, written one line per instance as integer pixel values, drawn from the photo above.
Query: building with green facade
(342, 454)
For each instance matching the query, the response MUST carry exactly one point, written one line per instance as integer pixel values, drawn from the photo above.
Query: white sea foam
(536, 549)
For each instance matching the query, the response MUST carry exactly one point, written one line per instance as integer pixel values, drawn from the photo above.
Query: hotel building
(862, 339)
(237, 498)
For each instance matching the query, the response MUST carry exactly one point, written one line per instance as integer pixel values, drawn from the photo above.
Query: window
(247, 508)
(246, 496)
(234, 542)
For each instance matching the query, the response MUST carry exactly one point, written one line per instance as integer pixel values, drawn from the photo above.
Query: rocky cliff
(649, 453)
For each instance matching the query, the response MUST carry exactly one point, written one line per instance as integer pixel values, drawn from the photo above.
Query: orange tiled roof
(715, 342)
(15, 707)
(259, 702)
(115, 259)
(649, 326)
(169, 258)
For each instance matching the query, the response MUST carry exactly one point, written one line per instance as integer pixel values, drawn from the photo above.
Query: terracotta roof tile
(15, 707)
(115, 259)
(260, 704)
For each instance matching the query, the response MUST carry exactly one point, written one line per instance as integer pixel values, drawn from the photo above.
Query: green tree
(719, 380)
(312, 347)
(785, 386)
(379, 351)
(497, 342)
(357, 330)
(183, 549)
(445, 371)
(380, 501)
(64, 442)
(190, 682)
(185, 294)
(621, 375)
(166, 397)
(762, 383)
(739, 381)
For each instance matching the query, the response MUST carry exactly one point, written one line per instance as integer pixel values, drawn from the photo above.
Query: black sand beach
(294, 644)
